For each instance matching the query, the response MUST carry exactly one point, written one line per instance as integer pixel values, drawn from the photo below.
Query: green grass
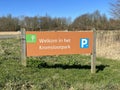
(68, 72)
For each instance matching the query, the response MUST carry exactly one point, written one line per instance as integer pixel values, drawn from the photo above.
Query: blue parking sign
(84, 42)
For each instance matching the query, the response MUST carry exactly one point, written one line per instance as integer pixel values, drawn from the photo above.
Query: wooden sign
(58, 43)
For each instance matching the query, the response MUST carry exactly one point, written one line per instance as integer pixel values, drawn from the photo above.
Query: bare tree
(9, 23)
(115, 9)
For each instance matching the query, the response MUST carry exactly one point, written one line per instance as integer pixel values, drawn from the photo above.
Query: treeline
(41, 23)
(96, 20)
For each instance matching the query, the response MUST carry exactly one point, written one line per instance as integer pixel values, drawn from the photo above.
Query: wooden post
(93, 55)
(23, 47)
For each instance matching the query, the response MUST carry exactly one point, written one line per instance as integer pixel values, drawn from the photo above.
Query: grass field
(68, 72)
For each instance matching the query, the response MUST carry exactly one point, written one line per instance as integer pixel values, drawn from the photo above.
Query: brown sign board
(58, 43)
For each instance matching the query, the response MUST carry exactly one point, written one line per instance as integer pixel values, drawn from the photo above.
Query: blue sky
(54, 8)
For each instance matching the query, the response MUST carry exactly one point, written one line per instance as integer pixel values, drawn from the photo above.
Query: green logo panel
(31, 38)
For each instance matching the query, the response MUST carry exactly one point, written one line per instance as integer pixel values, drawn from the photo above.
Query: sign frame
(93, 53)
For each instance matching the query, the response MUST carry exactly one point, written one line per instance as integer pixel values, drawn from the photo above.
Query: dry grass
(111, 51)
(108, 44)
